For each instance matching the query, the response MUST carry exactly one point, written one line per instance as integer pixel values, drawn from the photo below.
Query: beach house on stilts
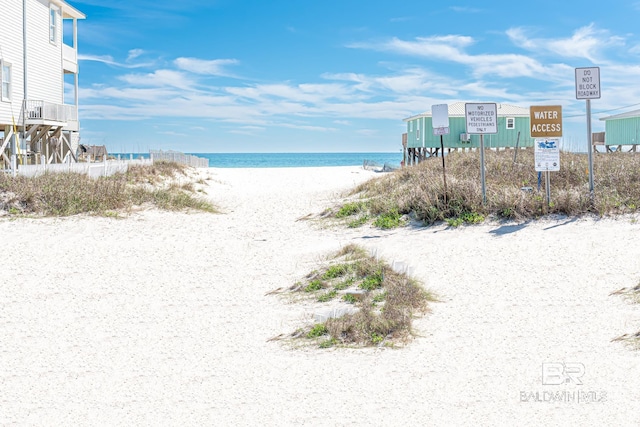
(419, 141)
(39, 74)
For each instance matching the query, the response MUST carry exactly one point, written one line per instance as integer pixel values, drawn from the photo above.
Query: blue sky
(326, 76)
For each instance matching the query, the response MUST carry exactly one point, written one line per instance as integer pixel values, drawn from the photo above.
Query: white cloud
(108, 59)
(159, 78)
(451, 48)
(215, 67)
(134, 53)
(307, 127)
(465, 9)
(586, 42)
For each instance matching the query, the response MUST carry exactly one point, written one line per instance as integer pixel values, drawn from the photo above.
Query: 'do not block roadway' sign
(588, 83)
(546, 121)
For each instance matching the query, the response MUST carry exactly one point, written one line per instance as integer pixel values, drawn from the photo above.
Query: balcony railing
(48, 111)
(70, 58)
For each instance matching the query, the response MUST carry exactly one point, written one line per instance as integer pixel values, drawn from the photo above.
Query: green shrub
(350, 209)
(328, 296)
(317, 330)
(391, 219)
(372, 282)
(335, 271)
(314, 286)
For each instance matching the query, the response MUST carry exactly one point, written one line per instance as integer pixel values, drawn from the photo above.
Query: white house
(39, 75)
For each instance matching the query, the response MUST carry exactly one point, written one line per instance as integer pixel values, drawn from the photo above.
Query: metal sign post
(440, 123)
(482, 178)
(588, 87)
(546, 121)
(482, 119)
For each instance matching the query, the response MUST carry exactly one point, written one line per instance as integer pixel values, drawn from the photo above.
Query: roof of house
(457, 110)
(628, 114)
(68, 11)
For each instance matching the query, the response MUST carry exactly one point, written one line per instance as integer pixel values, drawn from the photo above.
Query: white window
(511, 123)
(5, 77)
(418, 129)
(53, 25)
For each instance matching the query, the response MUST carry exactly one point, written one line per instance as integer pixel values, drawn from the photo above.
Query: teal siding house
(513, 129)
(622, 129)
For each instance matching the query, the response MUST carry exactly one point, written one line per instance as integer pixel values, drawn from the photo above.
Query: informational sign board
(546, 121)
(588, 83)
(482, 118)
(547, 154)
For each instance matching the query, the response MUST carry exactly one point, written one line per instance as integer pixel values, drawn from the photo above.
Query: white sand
(162, 319)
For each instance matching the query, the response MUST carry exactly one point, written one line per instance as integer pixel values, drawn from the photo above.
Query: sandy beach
(162, 318)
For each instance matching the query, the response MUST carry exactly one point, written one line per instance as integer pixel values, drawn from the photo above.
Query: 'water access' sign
(481, 118)
(546, 121)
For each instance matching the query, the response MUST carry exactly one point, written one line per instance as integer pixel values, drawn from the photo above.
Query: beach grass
(65, 194)
(633, 296)
(512, 192)
(383, 301)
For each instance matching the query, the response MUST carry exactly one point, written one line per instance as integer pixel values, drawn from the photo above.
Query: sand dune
(162, 318)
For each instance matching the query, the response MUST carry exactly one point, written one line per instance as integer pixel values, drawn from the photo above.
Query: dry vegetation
(633, 296)
(511, 187)
(378, 302)
(64, 194)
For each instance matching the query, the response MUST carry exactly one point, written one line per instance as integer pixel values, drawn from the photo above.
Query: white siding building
(38, 54)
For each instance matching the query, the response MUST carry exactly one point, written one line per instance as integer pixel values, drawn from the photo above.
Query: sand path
(162, 319)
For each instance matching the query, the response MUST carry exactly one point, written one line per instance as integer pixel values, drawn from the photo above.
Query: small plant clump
(350, 209)
(384, 300)
(317, 330)
(314, 286)
(328, 296)
(632, 295)
(391, 219)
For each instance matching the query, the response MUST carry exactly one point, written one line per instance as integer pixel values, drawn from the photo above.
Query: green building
(513, 130)
(622, 129)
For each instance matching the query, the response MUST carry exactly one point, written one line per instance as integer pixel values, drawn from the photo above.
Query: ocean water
(289, 160)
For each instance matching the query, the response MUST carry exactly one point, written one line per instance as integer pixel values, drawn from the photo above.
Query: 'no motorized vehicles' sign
(481, 118)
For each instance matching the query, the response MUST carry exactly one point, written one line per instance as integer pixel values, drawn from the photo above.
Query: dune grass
(511, 187)
(384, 301)
(65, 194)
(633, 296)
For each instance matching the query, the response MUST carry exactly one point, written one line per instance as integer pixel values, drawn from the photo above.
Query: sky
(337, 75)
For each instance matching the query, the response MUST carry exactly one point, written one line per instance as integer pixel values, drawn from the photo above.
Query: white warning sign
(481, 118)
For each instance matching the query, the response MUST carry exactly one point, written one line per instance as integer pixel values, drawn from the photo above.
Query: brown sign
(546, 121)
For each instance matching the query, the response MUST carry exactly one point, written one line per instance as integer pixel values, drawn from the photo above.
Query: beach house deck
(38, 121)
